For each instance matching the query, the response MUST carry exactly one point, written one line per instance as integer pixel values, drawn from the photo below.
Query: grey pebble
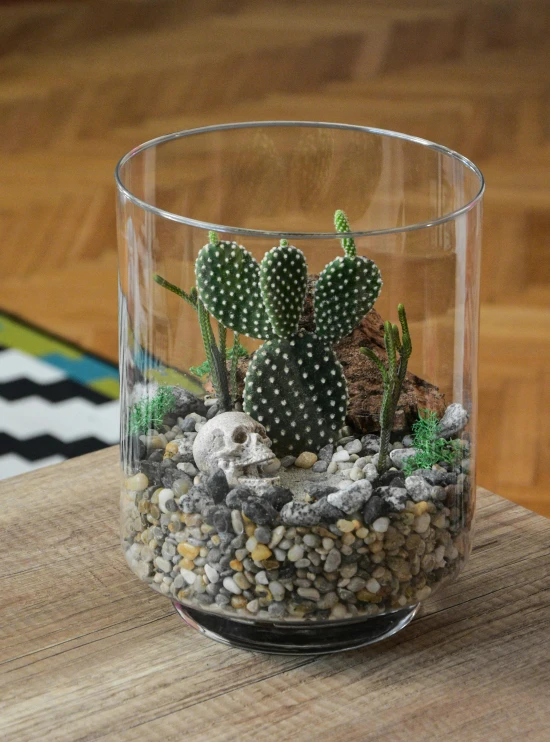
(325, 453)
(287, 461)
(418, 488)
(353, 497)
(333, 560)
(320, 466)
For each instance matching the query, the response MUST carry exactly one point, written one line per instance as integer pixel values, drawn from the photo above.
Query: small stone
(276, 610)
(417, 488)
(181, 486)
(262, 578)
(287, 461)
(166, 501)
(399, 456)
(188, 468)
(310, 593)
(237, 522)
(260, 512)
(240, 580)
(370, 444)
(238, 496)
(356, 474)
(222, 519)
(295, 553)
(421, 523)
(381, 525)
(423, 592)
(325, 454)
(188, 550)
(137, 483)
(346, 526)
(277, 536)
(370, 472)
(333, 560)
(163, 564)
(217, 486)
(253, 606)
(277, 590)
(373, 586)
(300, 514)
(305, 460)
(408, 441)
(326, 512)
(211, 573)
(188, 425)
(332, 468)
(272, 467)
(230, 584)
(352, 498)
(212, 411)
(260, 553)
(320, 467)
(353, 446)
(339, 611)
(188, 576)
(262, 535)
(396, 498)
(340, 456)
(277, 496)
(453, 421)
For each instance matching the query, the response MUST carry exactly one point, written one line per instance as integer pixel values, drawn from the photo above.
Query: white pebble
(355, 474)
(230, 584)
(381, 525)
(188, 576)
(211, 573)
(332, 468)
(370, 472)
(373, 586)
(253, 606)
(251, 544)
(340, 456)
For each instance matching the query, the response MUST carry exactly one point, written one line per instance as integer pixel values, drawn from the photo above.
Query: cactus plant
(392, 377)
(295, 385)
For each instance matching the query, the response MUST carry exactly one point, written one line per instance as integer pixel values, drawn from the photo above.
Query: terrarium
(298, 341)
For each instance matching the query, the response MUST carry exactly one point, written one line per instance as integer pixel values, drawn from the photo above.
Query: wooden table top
(88, 652)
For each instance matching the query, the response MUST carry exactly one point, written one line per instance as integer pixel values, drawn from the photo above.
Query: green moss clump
(149, 412)
(430, 448)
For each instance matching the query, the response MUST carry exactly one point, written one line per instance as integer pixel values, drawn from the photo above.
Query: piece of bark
(365, 386)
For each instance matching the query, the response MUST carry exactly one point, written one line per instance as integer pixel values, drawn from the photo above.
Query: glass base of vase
(297, 638)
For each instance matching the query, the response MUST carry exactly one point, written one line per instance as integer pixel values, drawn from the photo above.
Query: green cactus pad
(296, 388)
(345, 291)
(228, 281)
(283, 282)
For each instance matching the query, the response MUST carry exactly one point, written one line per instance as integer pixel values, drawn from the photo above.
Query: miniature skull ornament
(238, 445)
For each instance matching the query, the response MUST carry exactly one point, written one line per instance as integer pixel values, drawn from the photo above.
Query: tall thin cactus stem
(393, 377)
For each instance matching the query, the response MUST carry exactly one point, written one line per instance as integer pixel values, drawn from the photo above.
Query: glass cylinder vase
(298, 345)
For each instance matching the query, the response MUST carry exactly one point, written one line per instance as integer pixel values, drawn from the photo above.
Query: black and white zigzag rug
(56, 401)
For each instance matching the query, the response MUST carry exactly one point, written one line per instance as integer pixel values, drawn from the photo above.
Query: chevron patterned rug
(56, 401)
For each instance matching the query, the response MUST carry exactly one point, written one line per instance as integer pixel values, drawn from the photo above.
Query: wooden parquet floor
(83, 82)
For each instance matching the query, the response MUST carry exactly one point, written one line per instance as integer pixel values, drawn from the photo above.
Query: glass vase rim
(277, 234)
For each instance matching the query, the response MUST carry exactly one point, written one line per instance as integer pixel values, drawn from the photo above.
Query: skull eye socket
(239, 435)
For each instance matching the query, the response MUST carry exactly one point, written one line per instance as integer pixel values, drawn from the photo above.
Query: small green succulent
(149, 412)
(430, 448)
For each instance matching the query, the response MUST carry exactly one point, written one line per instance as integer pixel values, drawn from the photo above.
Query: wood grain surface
(83, 82)
(88, 652)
